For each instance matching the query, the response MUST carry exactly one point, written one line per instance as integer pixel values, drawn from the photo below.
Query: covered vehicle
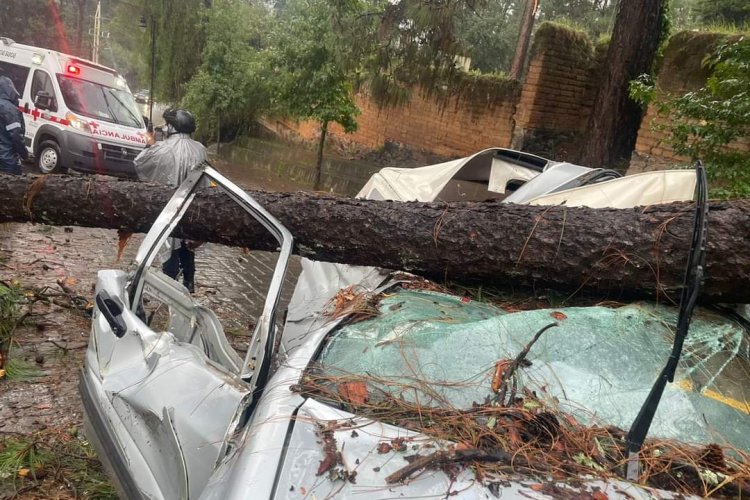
(383, 385)
(518, 177)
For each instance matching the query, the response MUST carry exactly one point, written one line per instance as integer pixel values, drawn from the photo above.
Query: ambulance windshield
(100, 102)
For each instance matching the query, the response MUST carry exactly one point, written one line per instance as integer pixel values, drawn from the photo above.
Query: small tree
(310, 77)
(706, 121)
(230, 85)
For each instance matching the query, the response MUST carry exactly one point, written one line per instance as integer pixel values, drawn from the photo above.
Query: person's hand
(150, 139)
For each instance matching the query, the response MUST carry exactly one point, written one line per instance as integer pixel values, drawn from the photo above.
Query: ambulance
(78, 114)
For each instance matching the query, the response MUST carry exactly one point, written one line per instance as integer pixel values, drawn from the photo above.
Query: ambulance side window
(16, 73)
(43, 83)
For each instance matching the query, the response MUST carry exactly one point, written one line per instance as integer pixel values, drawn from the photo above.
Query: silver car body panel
(279, 454)
(168, 402)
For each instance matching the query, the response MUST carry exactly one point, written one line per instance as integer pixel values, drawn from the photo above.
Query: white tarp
(648, 188)
(426, 183)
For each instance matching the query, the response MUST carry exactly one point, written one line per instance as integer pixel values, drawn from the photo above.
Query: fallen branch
(511, 369)
(443, 458)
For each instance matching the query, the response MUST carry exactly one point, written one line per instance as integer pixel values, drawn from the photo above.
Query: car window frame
(42, 81)
(255, 366)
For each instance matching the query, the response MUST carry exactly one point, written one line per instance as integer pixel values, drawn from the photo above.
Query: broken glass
(597, 365)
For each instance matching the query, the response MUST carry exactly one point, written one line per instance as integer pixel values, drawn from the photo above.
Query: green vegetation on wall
(705, 122)
(562, 37)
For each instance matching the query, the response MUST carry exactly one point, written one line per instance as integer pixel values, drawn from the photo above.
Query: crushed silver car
(383, 385)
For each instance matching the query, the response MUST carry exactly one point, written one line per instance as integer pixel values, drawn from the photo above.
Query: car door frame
(117, 311)
(256, 364)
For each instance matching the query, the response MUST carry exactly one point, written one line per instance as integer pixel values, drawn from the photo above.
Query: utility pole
(97, 32)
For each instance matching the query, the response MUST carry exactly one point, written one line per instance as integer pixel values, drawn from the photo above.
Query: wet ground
(53, 338)
(52, 264)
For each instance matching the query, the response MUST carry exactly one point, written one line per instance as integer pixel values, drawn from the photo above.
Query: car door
(167, 401)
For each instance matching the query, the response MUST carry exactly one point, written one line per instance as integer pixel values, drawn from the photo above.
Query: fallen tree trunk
(616, 253)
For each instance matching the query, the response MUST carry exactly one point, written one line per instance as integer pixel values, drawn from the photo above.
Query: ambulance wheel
(48, 158)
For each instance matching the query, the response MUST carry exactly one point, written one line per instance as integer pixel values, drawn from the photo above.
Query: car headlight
(77, 123)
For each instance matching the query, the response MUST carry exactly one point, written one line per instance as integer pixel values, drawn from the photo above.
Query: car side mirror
(44, 101)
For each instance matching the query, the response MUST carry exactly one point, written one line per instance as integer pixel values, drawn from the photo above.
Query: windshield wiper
(136, 121)
(688, 298)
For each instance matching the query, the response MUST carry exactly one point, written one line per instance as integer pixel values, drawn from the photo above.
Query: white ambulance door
(43, 93)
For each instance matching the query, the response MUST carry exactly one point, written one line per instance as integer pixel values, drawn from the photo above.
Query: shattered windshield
(100, 102)
(596, 366)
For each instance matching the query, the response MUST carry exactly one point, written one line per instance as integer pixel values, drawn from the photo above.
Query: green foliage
(642, 90)
(490, 35)
(27, 21)
(50, 462)
(594, 17)
(394, 46)
(705, 121)
(10, 312)
(719, 16)
(180, 35)
(716, 115)
(310, 63)
(127, 48)
(231, 84)
(736, 12)
(18, 453)
(564, 36)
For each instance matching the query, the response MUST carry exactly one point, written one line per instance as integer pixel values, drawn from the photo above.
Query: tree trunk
(524, 39)
(615, 118)
(319, 161)
(615, 253)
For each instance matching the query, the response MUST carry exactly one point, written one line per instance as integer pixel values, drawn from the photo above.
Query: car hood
(335, 454)
(299, 445)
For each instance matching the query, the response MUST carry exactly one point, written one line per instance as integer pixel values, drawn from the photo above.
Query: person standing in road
(12, 129)
(169, 162)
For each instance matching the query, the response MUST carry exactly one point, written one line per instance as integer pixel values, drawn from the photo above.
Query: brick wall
(556, 91)
(453, 127)
(681, 71)
(546, 117)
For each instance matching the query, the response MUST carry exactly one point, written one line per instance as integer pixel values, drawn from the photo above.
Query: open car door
(163, 398)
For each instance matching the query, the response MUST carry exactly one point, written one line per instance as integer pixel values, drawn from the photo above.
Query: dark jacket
(12, 129)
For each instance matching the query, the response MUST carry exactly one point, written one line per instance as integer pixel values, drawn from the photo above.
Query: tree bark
(524, 39)
(615, 118)
(614, 253)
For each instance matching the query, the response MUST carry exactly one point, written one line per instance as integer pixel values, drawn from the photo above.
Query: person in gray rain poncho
(12, 130)
(169, 162)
